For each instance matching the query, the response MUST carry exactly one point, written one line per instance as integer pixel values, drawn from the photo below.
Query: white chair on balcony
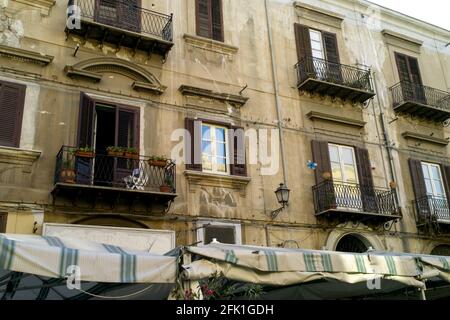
(137, 180)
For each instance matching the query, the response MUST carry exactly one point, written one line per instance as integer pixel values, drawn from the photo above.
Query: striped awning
(54, 257)
(278, 266)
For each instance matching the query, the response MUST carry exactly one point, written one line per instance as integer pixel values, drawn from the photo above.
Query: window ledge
(402, 41)
(342, 120)
(17, 156)
(25, 55)
(224, 97)
(210, 45)
(43, 5)
(196, 178)
(427, 138)
(316, 14)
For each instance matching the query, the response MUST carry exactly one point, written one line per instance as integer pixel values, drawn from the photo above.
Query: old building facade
(360, 92)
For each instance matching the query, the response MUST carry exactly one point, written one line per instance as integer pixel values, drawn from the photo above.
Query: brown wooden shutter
(414, 70)
(203, 18)
(321, 156)
(331, 46)
(190, 157)
(86, 121)
(12, 99)
(130, 15)
(3, 221)
(368, 195)
(402, 67)
(238, 165)
(303, 41)
(127, 127)
(445, 169)
(420, 189)
(217, 20)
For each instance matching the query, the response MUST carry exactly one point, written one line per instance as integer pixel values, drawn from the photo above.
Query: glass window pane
(221, 164)
(206, 147)
(336, 172)
(347, 156)
(350, 174)
(435, 173)
(221, 151)
(206, 162)
(220, 134)
(334, 155)
(428, 186)
(316, 46)
(425, 171)
(438, 188)
(206, 132)
(314, 35)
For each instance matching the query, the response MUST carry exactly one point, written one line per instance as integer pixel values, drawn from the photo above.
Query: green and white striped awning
(52, 257)
(278, 266)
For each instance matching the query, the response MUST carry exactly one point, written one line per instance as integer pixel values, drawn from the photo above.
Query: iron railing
(132, 173)
(341, 74)
(330, 195)
(432, 208)
(124, 15)
(405, 91)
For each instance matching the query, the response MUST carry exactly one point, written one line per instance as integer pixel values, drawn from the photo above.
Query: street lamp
(282, 194)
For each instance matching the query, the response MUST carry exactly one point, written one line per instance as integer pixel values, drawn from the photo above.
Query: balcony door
(345, 177)
(318, 54)
(103, 125)
(410, 78)
(124, 14)
(437, 198)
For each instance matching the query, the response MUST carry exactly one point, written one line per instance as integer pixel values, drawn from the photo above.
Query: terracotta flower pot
(165, 189)
(115, 153)
(85, 154)
(68, 176)
(158, 163)
(133, 156)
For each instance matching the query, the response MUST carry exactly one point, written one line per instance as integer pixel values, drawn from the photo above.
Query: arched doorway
(353, 243)
(111, 221)
(441, 250)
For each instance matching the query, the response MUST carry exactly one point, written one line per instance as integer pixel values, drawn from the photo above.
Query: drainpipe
(277, 95)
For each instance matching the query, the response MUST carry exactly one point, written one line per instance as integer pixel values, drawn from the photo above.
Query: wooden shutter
(445, 169)
(321, 156)
(217, 20)
(12, 99)
(86, 121)
(368, 195)
(402, 67)
(303, 41)
(420, 189)
(190, 149)
(236, 143)
(127, 127)
(3, 221)
(130, 15)
(331, 46)
(203, 18)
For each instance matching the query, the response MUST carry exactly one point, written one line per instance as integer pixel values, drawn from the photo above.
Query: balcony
(432, 209)
(421, 101)
(334, 79)
(122, 24)
(127, 183)
(352, 202)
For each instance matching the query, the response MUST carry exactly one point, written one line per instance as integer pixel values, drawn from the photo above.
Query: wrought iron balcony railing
(133, 172)
(340, 74)
(124, 15)
(411, 92)
(330, 195)
(432, 208)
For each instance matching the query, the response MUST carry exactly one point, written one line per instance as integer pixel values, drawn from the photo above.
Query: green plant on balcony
(85, 152)
(158, 161)
(115, 151)
(168, 184)
(131, 153)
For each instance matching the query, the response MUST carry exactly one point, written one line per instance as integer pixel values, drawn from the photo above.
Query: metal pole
(277, 95)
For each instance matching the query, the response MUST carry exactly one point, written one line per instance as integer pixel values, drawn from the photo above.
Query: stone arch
(93, 69)
(369, 240)
(353, 242)
(441, 250)
(111, 221)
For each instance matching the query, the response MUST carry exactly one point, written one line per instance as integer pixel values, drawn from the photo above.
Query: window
(229, 233)
(209, 19)
(343, 164)
(316, 43)
(3, 220)
(215, 149)
(433, 180)
(353, 243)
(409, 75)
(119, 13)
(12, 99)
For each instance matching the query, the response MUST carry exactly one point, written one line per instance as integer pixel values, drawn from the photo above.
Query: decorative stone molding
(19, 157)
(401, 41)
(92, 70)
(43, 5)
(417, 136)
(316, 14)
(25, 55)
(313, 115)
(224, 97)
(197, 178)
(210, 45)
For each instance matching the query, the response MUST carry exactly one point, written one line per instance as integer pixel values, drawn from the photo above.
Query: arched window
(442, 250)
(352, 243)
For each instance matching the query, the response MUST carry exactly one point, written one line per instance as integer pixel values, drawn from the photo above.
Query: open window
(410, 78)
(229, 233)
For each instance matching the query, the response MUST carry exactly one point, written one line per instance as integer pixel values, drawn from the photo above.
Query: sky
(436, 12)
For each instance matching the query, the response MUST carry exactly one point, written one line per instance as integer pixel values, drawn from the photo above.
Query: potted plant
(114, 151)
(131, 153)
(86, 152)
(68, 174)
(158, 161)
(167, 186)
